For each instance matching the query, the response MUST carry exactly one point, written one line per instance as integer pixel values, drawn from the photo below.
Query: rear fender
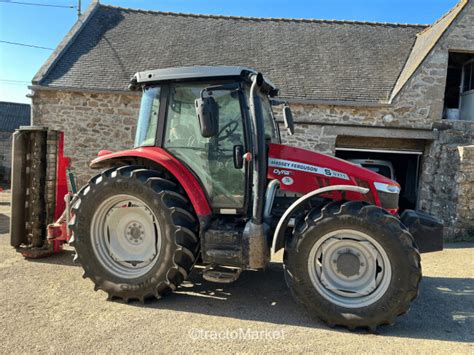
(158, 156)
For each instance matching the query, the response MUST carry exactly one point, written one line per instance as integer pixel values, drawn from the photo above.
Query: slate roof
(14, 115)
(306, 59)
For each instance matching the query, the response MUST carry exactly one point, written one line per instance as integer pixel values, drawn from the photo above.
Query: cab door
(210, 159)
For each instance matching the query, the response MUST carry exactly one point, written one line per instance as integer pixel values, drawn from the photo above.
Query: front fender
(279, 235)
(161, 157)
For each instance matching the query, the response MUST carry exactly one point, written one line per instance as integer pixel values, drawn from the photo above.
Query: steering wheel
(224, 133)
(229, 129)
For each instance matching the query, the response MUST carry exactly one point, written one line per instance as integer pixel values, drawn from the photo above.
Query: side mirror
(207, 113)
(288, 120)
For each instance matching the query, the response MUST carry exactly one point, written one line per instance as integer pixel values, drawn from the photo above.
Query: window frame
(273, 122)
(158, 118)
(471, 78)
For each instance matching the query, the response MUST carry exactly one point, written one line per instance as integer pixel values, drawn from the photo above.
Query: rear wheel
(352, 264)
(134, 233)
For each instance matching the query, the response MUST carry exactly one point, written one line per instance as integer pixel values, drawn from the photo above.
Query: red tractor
(208, 182)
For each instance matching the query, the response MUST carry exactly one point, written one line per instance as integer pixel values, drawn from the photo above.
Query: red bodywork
(300, 170)
(57, 232)
(61, 178)
(160, 156)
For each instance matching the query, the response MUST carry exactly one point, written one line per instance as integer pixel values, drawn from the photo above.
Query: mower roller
(39, 191)
(208, 182)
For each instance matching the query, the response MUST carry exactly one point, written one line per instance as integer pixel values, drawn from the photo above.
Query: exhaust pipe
(255, 237)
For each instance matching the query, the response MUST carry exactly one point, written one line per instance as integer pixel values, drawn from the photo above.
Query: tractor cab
(202, 116)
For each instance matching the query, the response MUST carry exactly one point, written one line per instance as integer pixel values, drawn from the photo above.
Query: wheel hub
(349, 268)
(135, 232)
(348, 264)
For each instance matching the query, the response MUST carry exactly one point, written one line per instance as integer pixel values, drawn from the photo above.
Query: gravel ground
(46, 306)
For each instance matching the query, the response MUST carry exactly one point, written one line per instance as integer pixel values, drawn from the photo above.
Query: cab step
(221, 274)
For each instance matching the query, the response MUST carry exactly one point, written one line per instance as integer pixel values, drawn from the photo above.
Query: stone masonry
(448, 179)
(90, 122)
(465, 202)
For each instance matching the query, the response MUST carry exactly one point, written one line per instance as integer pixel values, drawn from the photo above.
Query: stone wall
(465, 203)
(5, 158)
(90, 122)
(448, 176)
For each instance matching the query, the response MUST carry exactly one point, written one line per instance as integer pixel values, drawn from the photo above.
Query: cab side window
(211, 159)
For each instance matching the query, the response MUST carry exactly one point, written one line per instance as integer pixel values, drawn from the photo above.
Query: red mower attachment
(40, 193)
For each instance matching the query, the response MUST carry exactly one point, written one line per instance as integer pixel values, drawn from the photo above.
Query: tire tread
(367, 213)
(181, 215)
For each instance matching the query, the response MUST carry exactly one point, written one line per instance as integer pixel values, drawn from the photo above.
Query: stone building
(393, 92)
(12, 116)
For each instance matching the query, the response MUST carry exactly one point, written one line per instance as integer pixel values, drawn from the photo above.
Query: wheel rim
(349, 268)
(126, 236)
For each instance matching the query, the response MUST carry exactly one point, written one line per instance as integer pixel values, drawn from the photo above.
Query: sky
(45, 26)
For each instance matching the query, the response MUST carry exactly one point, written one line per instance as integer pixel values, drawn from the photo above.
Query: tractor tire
(352, 264)
(134, 232)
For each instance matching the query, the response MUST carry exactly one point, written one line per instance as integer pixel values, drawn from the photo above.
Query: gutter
(360, 130)
(334, 102)
(38, 87)
(80, 90)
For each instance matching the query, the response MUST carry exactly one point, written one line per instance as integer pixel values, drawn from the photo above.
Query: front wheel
(352, 264)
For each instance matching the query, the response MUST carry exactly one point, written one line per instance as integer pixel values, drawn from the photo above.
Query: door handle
(238, 156)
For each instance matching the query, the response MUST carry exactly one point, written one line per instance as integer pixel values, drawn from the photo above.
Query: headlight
(393, 189)
(388, 194)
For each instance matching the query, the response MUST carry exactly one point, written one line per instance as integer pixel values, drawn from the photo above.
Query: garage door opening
(403, 166)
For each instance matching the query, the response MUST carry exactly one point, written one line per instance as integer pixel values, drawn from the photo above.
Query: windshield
(148, 117)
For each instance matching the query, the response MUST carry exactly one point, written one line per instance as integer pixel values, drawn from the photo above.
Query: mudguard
(279, 237)
(161, 157)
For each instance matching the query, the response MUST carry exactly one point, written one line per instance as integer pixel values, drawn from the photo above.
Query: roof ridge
(250, 18)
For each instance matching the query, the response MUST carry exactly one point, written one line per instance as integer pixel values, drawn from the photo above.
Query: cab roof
(194, 72)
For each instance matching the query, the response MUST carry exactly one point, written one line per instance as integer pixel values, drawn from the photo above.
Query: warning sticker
(293, 165)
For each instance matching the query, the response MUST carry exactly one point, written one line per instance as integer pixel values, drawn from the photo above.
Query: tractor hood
(300, 170)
